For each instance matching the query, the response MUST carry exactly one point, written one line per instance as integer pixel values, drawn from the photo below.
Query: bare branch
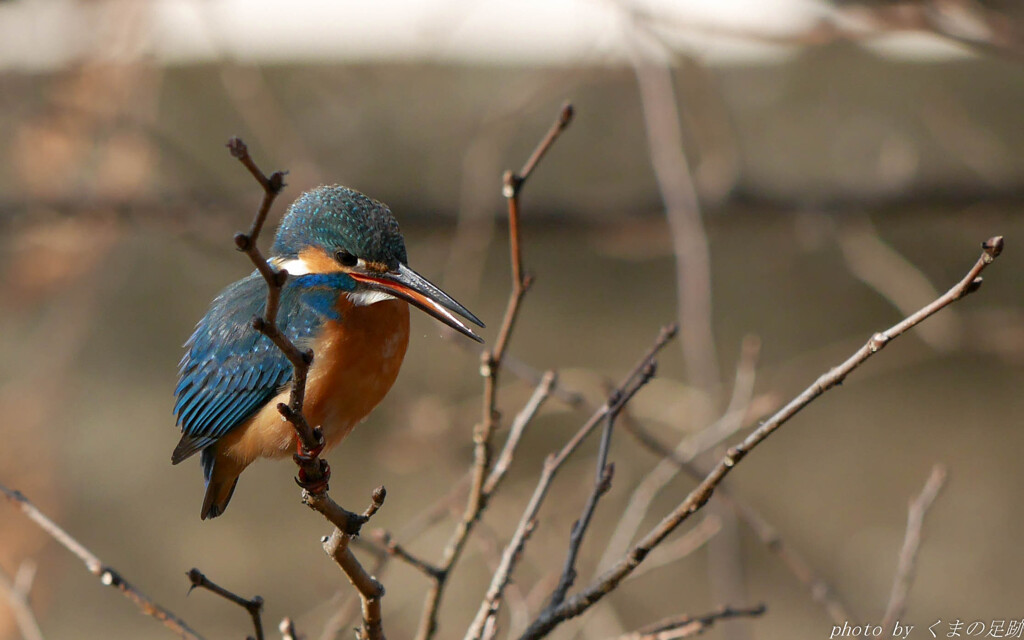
(350, 607)
(396, 550)
(905, 568)
(636, 379)
(687, 450)
(17, 594)
(820, 590)
(697, 498)
(490, 368)
(541, 393)
(688, 626)
(108, 576)
(683, 546)
(254, 606)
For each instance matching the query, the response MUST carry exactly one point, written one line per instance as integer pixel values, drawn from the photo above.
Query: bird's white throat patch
(366, 298)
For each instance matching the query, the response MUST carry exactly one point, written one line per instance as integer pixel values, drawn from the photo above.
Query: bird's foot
(314, 472)
(311, 484)
(302, 455)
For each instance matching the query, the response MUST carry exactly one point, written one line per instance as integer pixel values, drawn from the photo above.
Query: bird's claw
(317, 485)
(302, 455)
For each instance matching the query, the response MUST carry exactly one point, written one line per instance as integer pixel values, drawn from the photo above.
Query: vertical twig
(491, 362)
(689, 238)
(905, 568)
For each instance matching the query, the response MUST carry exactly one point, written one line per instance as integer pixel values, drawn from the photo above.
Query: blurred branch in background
(688, 626)
(882, 268)
(17, 593)
(905, 567)
(689, 239)
(989, 26)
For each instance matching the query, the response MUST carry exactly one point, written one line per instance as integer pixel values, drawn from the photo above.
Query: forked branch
(254, 606)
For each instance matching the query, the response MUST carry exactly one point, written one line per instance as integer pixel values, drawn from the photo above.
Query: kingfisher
(346, 297)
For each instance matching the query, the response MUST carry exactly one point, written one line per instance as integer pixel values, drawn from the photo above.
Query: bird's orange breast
(356, 360)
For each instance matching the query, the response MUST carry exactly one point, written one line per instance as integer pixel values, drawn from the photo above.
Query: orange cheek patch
(319, 261)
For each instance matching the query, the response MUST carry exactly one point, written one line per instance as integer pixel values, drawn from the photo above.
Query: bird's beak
(406, 284)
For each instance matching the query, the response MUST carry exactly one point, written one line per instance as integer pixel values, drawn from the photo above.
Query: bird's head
(336, 237)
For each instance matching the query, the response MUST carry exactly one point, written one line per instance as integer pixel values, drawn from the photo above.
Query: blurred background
(785, 176)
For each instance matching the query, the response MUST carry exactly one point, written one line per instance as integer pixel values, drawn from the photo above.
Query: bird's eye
(345, 258)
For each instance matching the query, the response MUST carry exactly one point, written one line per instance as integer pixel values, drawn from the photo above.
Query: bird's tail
(221, 474)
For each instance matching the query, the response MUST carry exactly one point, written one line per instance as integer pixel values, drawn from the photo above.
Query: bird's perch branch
(253, 606)
(491, 362)
(314, 472)
(108, 575)
(605, 583)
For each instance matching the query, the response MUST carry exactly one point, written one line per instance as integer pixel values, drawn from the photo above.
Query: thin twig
(687, 450)
(491, 362)
(253, 606)
(396, 550)
(697, 498)
(637, 378)
(108, 576)
(525, 416)
(821, 592)
(905, 568)
(683, 546)
(688, 626)
(602, 483)
(17, 593)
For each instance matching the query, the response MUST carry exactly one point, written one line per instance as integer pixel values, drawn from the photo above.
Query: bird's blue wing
(230, 370)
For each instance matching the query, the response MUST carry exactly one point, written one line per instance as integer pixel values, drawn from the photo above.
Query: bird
(346, 297)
